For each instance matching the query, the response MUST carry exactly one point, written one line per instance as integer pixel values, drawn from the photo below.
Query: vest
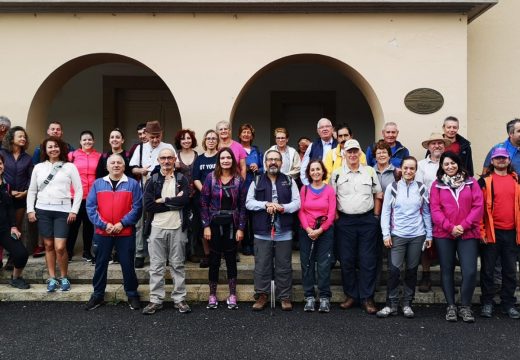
(317, 149)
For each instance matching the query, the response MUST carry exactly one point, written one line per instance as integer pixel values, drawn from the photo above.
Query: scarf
(454, 182)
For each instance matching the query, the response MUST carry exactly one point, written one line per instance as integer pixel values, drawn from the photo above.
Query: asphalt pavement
(57, 330)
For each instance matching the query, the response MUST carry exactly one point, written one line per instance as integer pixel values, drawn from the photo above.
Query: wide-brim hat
(153, 127)
(436, 137)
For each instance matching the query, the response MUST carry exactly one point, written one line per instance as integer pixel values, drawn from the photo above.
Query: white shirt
(150, 155)
(427, 172)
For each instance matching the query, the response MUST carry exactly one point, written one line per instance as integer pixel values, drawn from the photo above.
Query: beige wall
(206, 59)
(493, 76)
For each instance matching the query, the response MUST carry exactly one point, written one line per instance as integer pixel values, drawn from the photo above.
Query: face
(450, 167)
(500, 163)
(390, 134)
(54, 130)
(436, 148)
(325, 129)
(281, 139)
(226, 160)
(141, 134)
(451, 128)
(409, 168)
(353, 157)
(86, 142)
(303, 145)
(52, 149)
(316, 171)
(343, 136)
(19, 138)
(382, 157)
(1, 167)
(155, 139)
(223, 131)
(166, 160)
(116, 140)
(211, 141)
(115, 166)
(273, 162)
(186, 141)
(515, 136)
(246, 136)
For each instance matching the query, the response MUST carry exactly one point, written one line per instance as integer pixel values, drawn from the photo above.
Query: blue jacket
(514, 154)
(17, 172)
(399, 152)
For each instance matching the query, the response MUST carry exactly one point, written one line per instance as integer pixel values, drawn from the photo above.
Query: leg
(446, 249)
(263, 266)
(177, 254)
(215, 254)
(88, 233)
(74, 229)
(140, 251)
(50, 256)
(413, 256)
(323, 254)
(60, 245)
(158, 250)
(230, 252)
(347, 244)
(396, 258)
(125, 247)
(283, 269)
(307, 265)
(18, 252)
(367, 256)
(467, 251)
(508, 250)
(103, 246)
(488, 255)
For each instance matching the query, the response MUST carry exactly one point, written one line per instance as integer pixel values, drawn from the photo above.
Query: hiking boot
(134, 303)
(212, 302)
(387, 311)
(425, 285)
(139, 263)
(183, 307)
(369, 306)
(512, 312)
(94, 303)
(52, 284)
(19, 283)
(408, 312)
(451, 313)
(260, 303)
(64, 284)
(286, 305)
(348, 303)
(486, 311)
(309, 304)
(466, 314)
(232, 302)
(151, 308)
(324, 305)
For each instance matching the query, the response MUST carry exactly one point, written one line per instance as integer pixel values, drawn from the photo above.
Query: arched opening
(297, 90)
(99, 92)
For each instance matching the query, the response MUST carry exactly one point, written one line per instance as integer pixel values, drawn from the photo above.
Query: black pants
(222, 241)
(17, 251)
(88, 231)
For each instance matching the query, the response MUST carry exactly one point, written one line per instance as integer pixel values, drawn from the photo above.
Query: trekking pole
(273, 288)
(319, 220)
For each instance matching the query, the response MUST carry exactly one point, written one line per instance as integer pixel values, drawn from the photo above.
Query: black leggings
(222, 241)
(88, 231)
(17, 251)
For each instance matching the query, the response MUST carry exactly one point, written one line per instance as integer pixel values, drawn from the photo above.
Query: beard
(273, 170)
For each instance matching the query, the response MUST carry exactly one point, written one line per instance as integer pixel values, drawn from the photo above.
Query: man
(223, 129)
(334, 159)
(427, 168)
(359, 207)
(114, 205)
(143, 138)
(273, 198)
(511, 144)
(165, 197)
(500, 231)
(399, 152)
(319, 148)
(143, 164)
(459, 145)
(5, 125)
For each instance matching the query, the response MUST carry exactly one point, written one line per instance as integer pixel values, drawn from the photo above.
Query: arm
(260, 163)
(304, 164)
(294, 205)
(205, 198)
(178, 202)
(331, 213)
(386, 213)
(78, 188)
(101, 167)
(474, 216)
(438, 217)
(301, 213)
(242, 217)
(243, 168)
(32, 191)
(36, 156)
(294, 172)
(427, 220)
(92, 207)
(251, 203)
(370, 158)
(328, 165)
(137, 205)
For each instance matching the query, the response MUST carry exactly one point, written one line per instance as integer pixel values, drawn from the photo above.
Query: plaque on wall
(424, 101)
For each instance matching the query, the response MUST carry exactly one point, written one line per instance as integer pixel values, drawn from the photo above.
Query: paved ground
(51, 330)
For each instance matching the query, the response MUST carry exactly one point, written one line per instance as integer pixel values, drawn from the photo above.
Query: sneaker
(212, 302)
(486, 311)
(94, 303)
(64, 284)
(87, 257)
(324, 305)
(39, 251)
(387, 311)
(466, 314)
(512, 312)
(408, 312)
(183, 307)
(139, 263)
(19, 283)
(52, 284)
(134, 303)
(232, 302)
(309, 304)
(151, 308)
(451, 313)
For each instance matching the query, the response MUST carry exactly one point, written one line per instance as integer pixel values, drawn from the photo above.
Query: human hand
(31, 217)
(71, 218)
(388, 242)
(207, 233)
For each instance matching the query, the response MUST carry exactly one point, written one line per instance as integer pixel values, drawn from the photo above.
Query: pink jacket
(313, 206)
(86, 165)
(464, 207)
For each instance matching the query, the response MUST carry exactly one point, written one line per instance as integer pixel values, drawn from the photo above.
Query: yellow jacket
(333, 160)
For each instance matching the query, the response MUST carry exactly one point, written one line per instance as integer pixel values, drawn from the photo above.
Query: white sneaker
(408, 312)
(387, 311)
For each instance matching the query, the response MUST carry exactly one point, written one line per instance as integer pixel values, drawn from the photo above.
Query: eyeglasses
(211, 139)
(164, 158)
(280, 138)
(324, 127)
(222, 129)
(269, 160)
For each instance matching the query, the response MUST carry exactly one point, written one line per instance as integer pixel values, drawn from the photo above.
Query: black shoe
(139, 263)
(134, 303)
(486, 310)
(204, 262)
(512, 313)
(87, 257)
(94, 303)
(19, 283)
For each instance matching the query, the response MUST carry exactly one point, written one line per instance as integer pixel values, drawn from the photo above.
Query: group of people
(338, 202)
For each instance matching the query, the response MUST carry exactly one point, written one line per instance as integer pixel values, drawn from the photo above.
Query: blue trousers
(125, 247)
(321, 256)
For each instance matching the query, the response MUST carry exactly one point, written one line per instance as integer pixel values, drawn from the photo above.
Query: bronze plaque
(424, 101)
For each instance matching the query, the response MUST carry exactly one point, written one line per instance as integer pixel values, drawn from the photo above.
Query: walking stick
(273, 287)
(319, 220)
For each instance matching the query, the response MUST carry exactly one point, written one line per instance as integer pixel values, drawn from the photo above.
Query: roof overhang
(469, 7)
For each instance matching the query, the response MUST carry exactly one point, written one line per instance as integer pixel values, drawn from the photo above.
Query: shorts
(52, 224)
(19, 203)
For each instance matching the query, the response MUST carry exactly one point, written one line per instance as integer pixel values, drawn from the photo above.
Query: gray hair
(323, 119)
(389, 123)
(223, 122)
(273, 151)
(4, 120)
(116, 155)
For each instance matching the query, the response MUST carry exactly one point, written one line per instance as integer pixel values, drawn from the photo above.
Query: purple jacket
(464, 207)
(17, 172)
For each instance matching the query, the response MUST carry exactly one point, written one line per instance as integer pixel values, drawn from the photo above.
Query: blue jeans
(321, 256)
(125, 247)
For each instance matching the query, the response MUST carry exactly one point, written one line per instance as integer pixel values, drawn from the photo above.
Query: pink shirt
(315, 205)
(238, 151)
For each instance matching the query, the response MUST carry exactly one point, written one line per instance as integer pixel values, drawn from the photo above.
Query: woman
(224, 133)
(223, 213)
(85, 159)
(303, 144)
(290, 159)
(317, 212)
(9, 233)
(407, 229)
(185, 142)
(49, 203)
(456, 205)
(254, 164)
(116, 140)
(385, 171)
(17, 173)
(204, 165)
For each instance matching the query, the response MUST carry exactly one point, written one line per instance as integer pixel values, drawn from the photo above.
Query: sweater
(315, 205)
(86, 165)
